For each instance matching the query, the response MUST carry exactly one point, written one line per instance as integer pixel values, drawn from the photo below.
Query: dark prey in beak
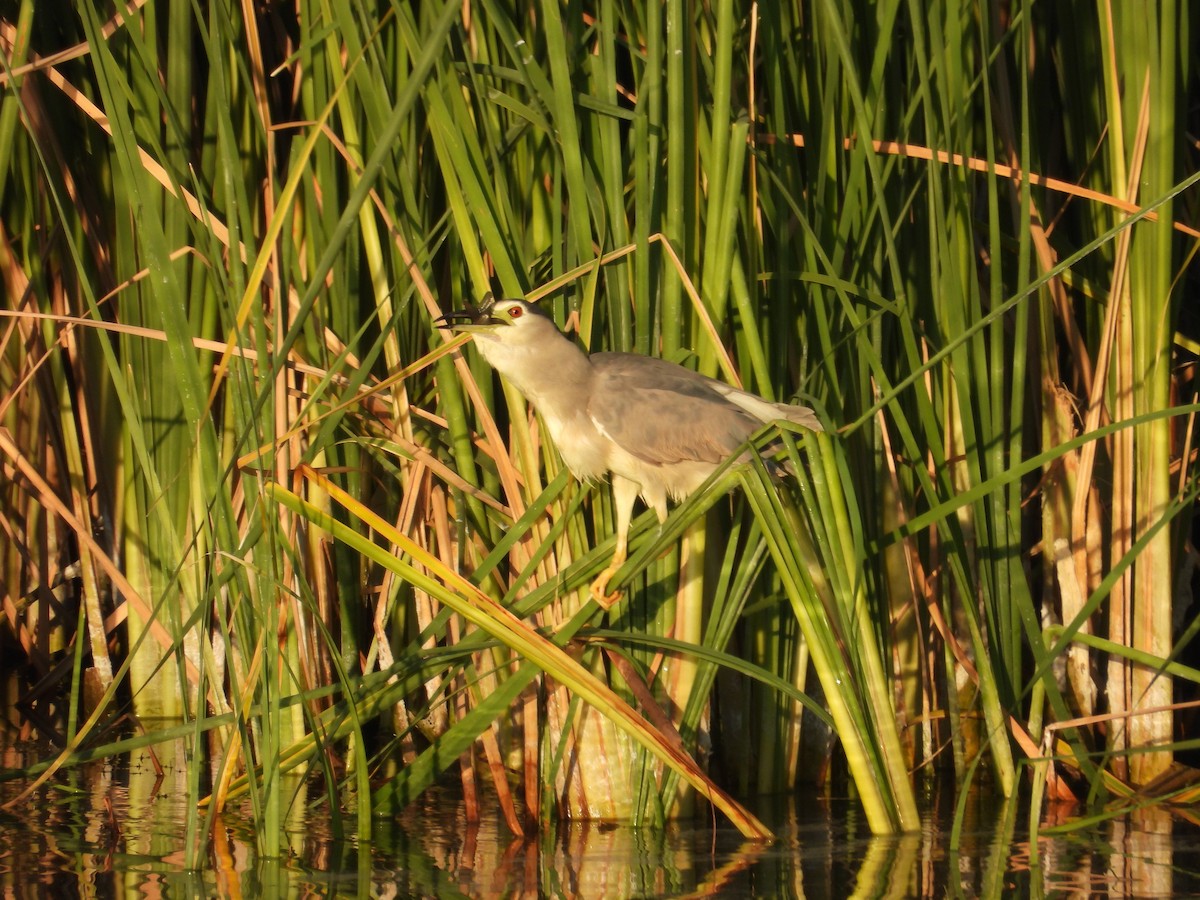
(474, 315)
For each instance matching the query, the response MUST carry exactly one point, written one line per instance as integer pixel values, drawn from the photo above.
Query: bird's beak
(462, 320)
(477, 318)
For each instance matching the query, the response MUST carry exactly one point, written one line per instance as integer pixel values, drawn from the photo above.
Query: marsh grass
(253, 497)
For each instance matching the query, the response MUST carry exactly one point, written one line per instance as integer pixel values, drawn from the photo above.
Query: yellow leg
(624, 493)
(600, 585)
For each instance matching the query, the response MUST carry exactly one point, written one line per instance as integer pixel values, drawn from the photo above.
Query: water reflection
(119, 830)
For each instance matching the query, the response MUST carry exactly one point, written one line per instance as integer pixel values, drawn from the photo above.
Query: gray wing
(663, 413)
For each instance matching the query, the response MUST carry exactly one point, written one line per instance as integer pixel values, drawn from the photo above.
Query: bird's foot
(599, 590)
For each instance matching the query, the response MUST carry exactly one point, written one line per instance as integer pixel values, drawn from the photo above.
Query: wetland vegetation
(257, 506)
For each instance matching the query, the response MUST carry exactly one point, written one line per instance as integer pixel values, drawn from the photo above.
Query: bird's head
(519, 341)
(508, 321)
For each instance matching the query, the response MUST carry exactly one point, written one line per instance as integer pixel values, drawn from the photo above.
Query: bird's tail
(801, 415)
(766, 411)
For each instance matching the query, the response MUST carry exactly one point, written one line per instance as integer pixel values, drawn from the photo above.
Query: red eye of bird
(516, 312)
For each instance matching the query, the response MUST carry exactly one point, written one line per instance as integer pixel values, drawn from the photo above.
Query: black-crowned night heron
(657, 429)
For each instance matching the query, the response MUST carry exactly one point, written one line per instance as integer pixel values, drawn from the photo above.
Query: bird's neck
(552, 375)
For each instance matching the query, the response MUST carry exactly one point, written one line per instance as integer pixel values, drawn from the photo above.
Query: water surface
(118, 829)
